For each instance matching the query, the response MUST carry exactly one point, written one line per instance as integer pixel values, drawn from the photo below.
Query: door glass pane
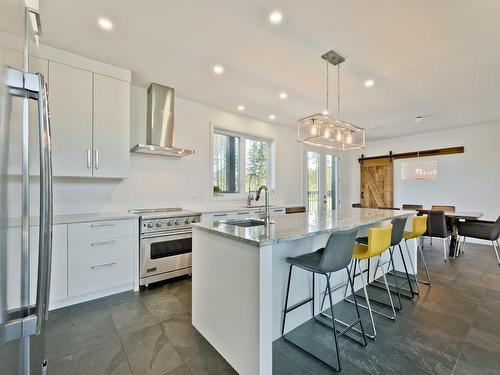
(330, 193)
(313, 181)
(256, 164)
(170, 248)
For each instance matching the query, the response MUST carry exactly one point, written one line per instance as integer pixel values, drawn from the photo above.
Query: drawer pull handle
(220, 215)
(243, 213)
(278, 210)
(102, 225)
(102, 265)
(102, 243)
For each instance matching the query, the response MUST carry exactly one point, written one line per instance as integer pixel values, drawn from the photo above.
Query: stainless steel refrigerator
(24, 309)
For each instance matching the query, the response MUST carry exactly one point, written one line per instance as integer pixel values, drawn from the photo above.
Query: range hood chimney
(160, 124)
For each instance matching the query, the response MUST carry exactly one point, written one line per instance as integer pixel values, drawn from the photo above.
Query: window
(240, 161)
(226, 159)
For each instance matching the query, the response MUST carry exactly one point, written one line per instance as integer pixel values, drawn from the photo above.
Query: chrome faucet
(267, 214)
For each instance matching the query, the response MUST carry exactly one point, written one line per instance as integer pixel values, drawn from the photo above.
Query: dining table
(453, 218)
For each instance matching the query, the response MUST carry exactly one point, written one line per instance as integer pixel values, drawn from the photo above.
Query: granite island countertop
(301, 225)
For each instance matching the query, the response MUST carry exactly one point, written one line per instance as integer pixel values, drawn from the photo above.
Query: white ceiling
(433, 58)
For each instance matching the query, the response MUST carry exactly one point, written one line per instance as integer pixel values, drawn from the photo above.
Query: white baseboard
(90, 296)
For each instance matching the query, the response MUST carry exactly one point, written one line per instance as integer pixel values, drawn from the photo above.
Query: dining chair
(438, 228)
(413, 207)
(444, 208)
(482, 230)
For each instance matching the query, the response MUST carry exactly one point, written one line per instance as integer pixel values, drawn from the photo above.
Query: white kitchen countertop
(301, 225)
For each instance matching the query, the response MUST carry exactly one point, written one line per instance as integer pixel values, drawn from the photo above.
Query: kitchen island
(240, 275)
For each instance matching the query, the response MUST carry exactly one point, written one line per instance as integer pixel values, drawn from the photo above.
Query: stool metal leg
(428, 282)
(286, 300)
(495, 247)
(391, 253)
(333, 323)
(406, 271)
(412, 267)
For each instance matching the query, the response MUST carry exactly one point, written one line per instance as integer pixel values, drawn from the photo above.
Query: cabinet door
(111, 127)
(59, 267)
(36, 65)
(70, 106)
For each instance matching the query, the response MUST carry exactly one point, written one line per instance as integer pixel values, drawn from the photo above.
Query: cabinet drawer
(99, 276)
(99, 251)
(100, 230)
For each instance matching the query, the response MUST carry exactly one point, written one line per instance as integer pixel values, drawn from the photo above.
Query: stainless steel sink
(245, 223)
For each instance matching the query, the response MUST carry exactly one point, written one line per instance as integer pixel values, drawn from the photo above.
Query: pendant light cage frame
(323, 130)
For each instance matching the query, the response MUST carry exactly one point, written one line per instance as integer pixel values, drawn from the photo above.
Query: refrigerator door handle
(46, 212)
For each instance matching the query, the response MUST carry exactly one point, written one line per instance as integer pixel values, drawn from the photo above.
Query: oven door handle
(169, 234)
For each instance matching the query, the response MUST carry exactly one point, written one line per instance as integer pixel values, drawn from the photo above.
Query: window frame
(242, 193)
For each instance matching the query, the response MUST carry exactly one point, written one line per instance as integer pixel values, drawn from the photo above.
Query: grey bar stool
(334, 257)
(398, 228)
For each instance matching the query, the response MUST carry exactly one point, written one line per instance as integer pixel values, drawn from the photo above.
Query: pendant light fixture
(419, 169)
(323, 130)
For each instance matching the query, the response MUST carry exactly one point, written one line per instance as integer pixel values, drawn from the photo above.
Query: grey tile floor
(453, 327)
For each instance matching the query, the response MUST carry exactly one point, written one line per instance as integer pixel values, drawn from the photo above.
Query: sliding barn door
(377, 182)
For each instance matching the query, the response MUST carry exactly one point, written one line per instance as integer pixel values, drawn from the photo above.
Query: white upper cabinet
(70, 106)
(111, 127)
(36, 65)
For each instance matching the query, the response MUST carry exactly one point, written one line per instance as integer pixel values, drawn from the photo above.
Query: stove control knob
(150, 225)
(169, 223)
(177, 222)
(193, 220)
(186, 221)
(158, 224)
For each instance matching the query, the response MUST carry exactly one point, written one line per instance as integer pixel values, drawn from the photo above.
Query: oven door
(165, 255)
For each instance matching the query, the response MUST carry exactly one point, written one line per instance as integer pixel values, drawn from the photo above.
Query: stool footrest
(373, 310)
(297, 305)
(380, 285)
(349, 327)
(311, 354)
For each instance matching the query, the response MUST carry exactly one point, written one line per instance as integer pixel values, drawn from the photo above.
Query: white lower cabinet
(100, 256)
(58, 280)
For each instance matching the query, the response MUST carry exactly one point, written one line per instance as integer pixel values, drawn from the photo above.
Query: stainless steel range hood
(160, 124)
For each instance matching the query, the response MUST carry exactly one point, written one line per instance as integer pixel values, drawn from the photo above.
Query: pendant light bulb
(326, 134)
(349, 137)
(314, 131)
(339, 135)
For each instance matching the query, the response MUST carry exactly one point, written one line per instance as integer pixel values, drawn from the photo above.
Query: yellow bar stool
(419, 227)
(379, 241)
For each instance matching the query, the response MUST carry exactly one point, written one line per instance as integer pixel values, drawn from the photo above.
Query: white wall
(470, 181)
(156, 181)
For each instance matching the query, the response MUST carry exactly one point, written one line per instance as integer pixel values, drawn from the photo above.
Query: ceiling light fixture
(105, 23)
(241, 108)
(419, 169)
(323, 130)
(272, 117)
(275, 17)
(283, 95)
(218, 69)
(369, 83)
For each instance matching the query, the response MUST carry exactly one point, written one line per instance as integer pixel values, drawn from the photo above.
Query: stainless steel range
(165, 243)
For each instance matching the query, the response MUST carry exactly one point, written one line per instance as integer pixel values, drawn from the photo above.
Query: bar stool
(379, 240)
(419, 227)
(398, 228)
(335, 256)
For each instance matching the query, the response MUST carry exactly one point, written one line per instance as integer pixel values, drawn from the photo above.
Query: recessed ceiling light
(283, 95)
(369, 83)
(418, 119)
(272, 117)
(105, 24)
(275, 17)
(218, 69)
(241, 108)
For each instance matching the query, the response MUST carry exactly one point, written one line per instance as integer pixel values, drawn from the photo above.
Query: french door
(320, 180)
